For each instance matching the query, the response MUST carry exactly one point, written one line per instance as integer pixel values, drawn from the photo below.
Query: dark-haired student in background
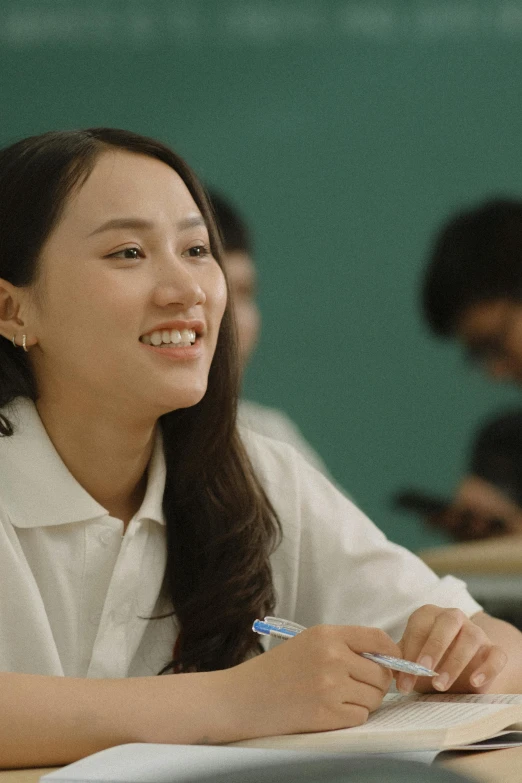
(473, 286)
(487, 502)
(242, 280)
(473, 293)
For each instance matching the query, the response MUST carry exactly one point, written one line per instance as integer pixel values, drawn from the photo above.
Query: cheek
(88, 306)
(218, 294)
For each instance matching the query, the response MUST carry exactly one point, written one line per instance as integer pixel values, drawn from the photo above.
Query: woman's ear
(12, 322)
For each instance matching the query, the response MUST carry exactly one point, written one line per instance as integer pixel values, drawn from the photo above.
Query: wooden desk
(24, 775)
(494, 766)
(499, 556)
(492, 570)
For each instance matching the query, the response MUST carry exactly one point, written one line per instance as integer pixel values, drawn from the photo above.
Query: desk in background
(492, 570)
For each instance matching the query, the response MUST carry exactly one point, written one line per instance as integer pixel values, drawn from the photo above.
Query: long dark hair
(221, 527)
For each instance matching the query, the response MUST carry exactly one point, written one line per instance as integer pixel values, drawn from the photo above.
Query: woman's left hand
(447, 641)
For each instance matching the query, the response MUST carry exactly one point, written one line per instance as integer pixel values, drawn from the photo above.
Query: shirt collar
(37, 489)
(152, 505)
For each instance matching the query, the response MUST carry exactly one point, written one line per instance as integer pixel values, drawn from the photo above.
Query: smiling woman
(138, 527)
(87, 292)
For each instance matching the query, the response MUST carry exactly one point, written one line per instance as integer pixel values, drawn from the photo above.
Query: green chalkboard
(346, 131)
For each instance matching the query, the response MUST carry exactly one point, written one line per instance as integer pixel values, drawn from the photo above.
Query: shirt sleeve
(275, 424)
(333, 564)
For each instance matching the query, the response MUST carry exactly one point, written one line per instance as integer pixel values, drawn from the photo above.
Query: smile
(174, 337)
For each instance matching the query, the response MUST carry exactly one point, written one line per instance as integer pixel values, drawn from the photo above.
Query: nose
(178, 284)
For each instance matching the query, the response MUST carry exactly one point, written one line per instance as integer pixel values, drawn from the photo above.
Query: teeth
(188, 335)
(181, 338)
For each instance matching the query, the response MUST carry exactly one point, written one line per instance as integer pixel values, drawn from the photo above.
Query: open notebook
(405, 727)
(417, 723)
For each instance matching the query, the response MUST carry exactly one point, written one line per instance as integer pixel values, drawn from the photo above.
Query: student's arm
(479, 654)
(313, 682)
(50, 721)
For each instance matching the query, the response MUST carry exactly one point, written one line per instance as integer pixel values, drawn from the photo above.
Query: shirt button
(105, 537)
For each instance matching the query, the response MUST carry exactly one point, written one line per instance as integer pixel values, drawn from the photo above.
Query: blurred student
(488, 500)
(242, 279)
(473, 293)
(473, 286)
(489, 497)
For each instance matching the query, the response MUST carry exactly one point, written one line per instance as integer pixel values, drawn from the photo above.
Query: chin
(185, 399)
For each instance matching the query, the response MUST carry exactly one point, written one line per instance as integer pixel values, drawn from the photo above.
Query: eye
(197, 251)
(132, 253)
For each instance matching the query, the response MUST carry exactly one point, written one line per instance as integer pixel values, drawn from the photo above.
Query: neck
(106, 450)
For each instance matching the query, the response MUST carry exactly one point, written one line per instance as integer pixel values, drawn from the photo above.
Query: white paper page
(152, 763)
(420, 715)
(468, 698)
(501, 741)
(474, 698)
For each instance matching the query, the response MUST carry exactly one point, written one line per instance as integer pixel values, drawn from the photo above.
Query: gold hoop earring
(24, 346)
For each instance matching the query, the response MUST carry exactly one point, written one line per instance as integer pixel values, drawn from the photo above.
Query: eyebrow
(135, 222)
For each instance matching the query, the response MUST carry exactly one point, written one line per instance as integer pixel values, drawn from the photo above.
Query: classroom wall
(346, 131)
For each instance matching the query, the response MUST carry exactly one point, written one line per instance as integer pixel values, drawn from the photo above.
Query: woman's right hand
(314, 682)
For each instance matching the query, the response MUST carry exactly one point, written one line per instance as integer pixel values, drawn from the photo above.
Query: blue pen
(285, 629)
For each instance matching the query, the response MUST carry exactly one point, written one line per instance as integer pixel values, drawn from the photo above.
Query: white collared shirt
(75, 594)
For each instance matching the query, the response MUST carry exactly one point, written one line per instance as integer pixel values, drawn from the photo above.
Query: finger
(363, 695)
(426, 638)
(362, 639)
(417, 630)
(352, 715)
(334, 648)
(467, 643)
(440, 636)
(369, 672)
(414, 638)
(493, 662)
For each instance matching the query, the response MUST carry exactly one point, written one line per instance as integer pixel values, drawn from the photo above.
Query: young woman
(139, 533)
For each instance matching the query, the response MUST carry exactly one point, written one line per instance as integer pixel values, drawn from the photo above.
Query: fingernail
(426, 661)
(441, 682)
(478, 679)
(406, 685)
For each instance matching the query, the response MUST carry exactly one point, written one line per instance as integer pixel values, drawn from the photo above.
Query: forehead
(483, 319)
(125, 183)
